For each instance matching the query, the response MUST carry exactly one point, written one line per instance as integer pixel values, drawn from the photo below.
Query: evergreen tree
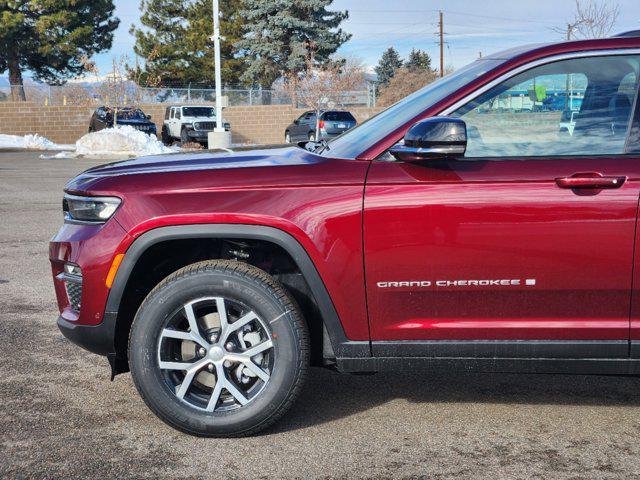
(387, 66)
(280, 35)
(418, 60)
(175, 42)
(52, 39)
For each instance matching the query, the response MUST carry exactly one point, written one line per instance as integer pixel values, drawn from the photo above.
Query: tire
(312, 137)
(278, 331)
(287, 137)
(184, 138)
(164, 136)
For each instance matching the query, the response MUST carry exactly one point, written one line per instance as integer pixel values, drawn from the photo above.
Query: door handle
(593, 180)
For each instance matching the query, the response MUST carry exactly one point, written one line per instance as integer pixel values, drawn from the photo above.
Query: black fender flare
(341, 345)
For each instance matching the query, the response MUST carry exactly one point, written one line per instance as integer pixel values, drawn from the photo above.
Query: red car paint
(397, 222)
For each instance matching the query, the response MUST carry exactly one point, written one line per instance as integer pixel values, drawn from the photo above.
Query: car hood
(247, 157)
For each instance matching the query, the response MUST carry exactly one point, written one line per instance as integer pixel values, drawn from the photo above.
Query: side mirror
(435, 138)
(296, 122)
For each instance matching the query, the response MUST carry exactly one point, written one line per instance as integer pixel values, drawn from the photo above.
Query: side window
(580, 106)
(167, 111)
(178, 114)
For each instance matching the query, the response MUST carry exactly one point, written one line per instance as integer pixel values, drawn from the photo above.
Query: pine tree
(387, 66)
(52, 39)
(418, 60)
(176, 46)
(280, 35)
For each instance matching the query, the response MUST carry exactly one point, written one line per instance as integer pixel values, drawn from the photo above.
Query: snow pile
(124, 140)
(31, 142)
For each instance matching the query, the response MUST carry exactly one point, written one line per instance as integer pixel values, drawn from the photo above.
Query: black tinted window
(338, 117)
(198, 111)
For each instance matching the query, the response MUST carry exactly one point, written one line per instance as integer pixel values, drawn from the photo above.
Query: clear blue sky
(472, 26)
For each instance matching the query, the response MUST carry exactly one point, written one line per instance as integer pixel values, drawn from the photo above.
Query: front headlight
(89, 209)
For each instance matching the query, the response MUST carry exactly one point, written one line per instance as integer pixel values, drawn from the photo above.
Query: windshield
(198, 112)
(131, 115)
(357, 140)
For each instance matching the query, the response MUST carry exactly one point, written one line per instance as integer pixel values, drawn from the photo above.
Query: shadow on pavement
(329, 395)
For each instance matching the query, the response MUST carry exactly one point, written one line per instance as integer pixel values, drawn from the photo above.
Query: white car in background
(189, 123)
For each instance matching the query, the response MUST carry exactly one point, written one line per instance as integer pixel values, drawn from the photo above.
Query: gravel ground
(61, 417)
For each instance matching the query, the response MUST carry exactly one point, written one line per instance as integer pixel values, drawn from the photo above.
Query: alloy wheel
(215, 354)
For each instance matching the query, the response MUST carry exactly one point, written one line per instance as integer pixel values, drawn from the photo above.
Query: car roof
(626, 40)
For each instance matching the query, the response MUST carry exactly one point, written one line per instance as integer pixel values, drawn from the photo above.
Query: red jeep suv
(487, 222)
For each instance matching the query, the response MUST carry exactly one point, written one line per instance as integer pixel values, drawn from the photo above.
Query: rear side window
(338, 117)
(582, 106)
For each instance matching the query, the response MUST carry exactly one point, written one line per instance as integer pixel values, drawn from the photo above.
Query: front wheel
(164, 136)
(219, 349)
(184, 137)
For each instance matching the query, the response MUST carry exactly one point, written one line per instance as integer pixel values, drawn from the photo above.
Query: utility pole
(218, 74)
(441, 28)
(567, 98)
(219, 138)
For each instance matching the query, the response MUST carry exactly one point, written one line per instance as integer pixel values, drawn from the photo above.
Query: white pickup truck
(189, 123)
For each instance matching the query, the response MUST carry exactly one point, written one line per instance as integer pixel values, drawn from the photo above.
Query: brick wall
(260, 124)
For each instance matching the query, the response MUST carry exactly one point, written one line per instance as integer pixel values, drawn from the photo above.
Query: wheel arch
(334, 341)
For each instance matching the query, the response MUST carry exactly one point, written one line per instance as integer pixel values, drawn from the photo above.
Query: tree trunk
(266, 97)
(15, 80)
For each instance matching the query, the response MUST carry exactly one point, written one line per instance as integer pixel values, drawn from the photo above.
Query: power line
(451, 12)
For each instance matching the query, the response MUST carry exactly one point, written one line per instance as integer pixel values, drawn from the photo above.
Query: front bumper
(94, 338)
(198, 135)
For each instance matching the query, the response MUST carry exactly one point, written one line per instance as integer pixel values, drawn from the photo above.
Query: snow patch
(124, 140)
(31, 142)
(59, 155)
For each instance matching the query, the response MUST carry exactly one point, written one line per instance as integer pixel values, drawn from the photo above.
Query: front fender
(341, 345)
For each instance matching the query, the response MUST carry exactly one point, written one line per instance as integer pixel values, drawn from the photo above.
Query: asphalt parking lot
(61, 417)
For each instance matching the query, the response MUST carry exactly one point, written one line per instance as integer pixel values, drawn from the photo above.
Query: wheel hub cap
(216, 353)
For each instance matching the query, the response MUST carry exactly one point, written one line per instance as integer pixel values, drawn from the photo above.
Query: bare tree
(404, 83)
(592, 19)
(321, 87)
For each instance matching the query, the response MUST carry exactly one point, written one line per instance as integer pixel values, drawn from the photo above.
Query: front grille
(74, 293)
(204, 125)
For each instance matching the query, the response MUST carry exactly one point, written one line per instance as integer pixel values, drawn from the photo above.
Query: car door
(525, 244)
(176, 124)
(297, 127)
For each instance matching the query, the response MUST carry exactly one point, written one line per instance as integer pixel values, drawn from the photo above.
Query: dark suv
(460, 229)
(328, 124)
(103, 118)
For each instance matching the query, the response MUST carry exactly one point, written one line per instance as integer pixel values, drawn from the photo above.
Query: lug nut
(227, 364)
(210, 367)
(202, 352)
(229, 346)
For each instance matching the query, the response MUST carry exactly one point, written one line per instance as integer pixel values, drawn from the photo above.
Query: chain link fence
(96, 94)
